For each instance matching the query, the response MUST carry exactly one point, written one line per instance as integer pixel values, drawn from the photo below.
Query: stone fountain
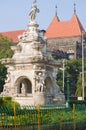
(31, 72)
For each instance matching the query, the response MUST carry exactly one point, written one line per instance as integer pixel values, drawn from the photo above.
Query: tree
(79, 87)
(5, 52)
(72, 69)
(3, 72)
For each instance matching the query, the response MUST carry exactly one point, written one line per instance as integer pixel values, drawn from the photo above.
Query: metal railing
(43, 118)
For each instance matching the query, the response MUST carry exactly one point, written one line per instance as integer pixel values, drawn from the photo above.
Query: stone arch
(23, 85)
(49, 85)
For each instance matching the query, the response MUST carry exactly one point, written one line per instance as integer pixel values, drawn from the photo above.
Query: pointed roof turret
(52, 29)
(72, 27)
(76, 24)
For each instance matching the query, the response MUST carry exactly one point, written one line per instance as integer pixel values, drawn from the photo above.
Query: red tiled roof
(57, 28)
(13, 35)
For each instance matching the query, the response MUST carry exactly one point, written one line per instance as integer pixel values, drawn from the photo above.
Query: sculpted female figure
(34, 10)
(40, 86)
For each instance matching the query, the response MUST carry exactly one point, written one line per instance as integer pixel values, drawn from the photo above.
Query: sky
(14, 13)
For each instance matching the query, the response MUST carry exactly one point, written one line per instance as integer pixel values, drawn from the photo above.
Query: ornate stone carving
(40, 87)
(40, 83)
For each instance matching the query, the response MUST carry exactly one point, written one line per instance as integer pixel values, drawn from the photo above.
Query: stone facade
(67, 44)
(31, 77)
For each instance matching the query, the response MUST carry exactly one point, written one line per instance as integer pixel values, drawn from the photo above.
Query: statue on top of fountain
(34, 10)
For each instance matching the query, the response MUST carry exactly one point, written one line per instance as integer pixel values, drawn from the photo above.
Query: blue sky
(14, 13)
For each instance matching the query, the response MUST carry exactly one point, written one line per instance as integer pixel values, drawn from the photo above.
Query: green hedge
(7, 101)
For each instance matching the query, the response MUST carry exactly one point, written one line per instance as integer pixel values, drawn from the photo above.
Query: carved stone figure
(40, 87)
(34, 10)
(23, 89)
(8, 78)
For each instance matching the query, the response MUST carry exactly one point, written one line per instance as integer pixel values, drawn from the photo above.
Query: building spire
(56, 10)
(74, 7)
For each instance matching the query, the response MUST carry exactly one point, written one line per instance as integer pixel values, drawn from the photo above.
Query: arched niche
(23, 86)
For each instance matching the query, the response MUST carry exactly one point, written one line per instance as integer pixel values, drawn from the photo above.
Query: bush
(8, 98)
(7, 101)
(1, 101)
(78, 103)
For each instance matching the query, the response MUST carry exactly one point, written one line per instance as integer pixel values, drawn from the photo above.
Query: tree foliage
(5, 52)
(3, 72)
(79, 88)
(73, 69)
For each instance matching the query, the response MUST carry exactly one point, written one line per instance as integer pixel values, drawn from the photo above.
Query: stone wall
(65, 44)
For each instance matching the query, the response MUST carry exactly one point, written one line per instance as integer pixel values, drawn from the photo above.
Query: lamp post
(82, 68)
(68, 92)
(63, 73)
(63, 70)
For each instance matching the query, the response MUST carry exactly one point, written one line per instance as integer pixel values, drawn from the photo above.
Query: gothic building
(66, 36)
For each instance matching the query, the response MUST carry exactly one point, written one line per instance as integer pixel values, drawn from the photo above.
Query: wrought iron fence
(43, 118)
